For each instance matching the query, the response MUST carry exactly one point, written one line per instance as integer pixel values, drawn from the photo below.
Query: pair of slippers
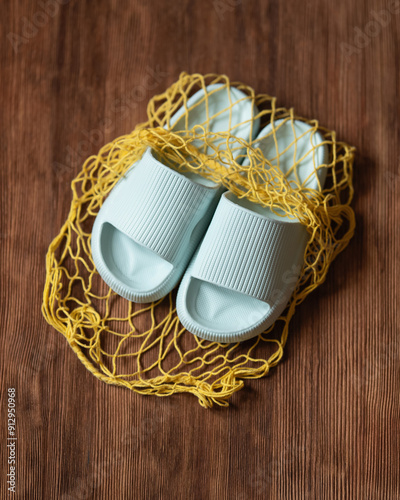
(238, 259)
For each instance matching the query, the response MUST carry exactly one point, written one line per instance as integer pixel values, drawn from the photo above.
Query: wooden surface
(325, 422)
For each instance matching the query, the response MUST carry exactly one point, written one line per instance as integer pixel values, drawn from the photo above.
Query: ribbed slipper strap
(158, 208)
(250, 253)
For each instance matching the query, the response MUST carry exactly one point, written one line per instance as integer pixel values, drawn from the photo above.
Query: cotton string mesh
(143, 346)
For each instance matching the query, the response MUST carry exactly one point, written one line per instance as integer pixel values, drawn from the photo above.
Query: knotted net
(144, 347)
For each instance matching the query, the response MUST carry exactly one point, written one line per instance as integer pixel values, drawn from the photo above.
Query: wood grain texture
(325, 423)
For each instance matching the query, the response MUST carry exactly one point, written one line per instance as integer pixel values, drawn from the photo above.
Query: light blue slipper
(153, 220)
(246, 268)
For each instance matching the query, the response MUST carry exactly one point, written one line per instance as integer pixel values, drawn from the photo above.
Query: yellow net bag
(144, 347)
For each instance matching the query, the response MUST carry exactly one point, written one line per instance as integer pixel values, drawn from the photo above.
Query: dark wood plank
(325, 422)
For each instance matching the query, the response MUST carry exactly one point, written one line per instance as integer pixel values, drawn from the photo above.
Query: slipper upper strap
(158, 207)
(250, 253)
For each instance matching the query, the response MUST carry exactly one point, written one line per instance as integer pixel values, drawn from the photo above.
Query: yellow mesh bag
(144, 347)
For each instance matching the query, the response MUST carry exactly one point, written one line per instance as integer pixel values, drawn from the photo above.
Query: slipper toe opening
(137, 267)
(217, 309)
